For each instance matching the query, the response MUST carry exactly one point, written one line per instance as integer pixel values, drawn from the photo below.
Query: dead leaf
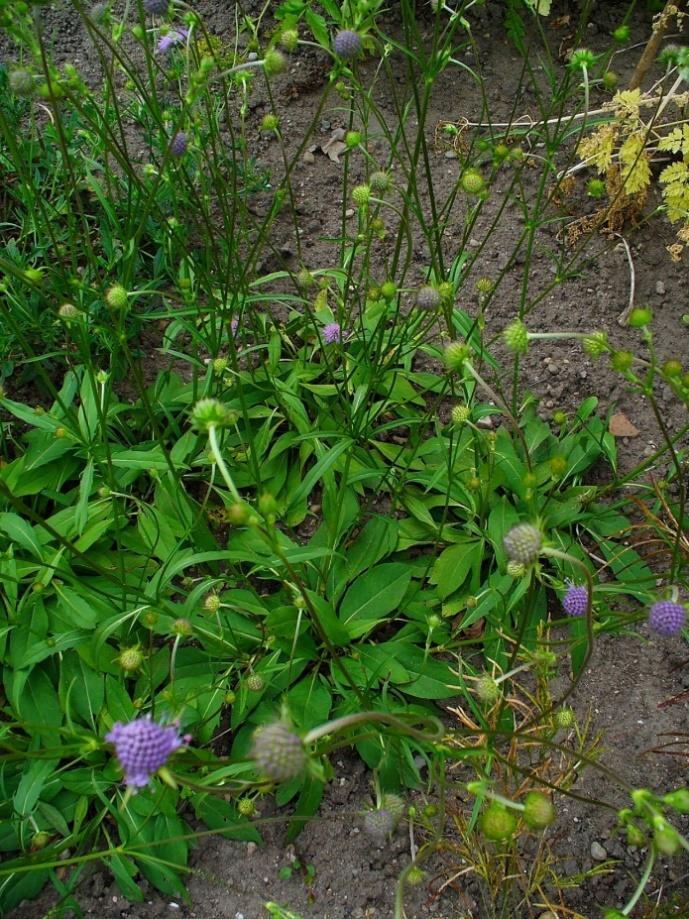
(621, 426)
(335, 145)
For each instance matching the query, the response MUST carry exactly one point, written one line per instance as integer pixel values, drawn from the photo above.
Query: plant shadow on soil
(627, 678)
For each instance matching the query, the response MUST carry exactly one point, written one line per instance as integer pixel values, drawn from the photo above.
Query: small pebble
(660, 288)
(598, 852)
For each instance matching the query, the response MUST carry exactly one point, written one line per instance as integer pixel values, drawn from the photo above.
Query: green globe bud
(516, 569)
(461, 414)
(672, 369)
(610, 80)
(388, 290)
(472, 182)
(621, 360)
(270, 123)
(595, 188)
(523, 543)
(487, 689)
(678, 800)
(278, 752)
(255, 683)
(415, 876)
(665, 836)
(516, 337)
(289, 39)
(246, 807)
(565, 718)
(380, 182)
(596, 344)
(209, 413)
(274, 62)
(497, 822)
(635, 837)
(582, 59)
(456, 353)
(182, 627)
(640, 317)
(130, 659)
(117, 297)
(352, 139)
(538, 811)
(361, 195)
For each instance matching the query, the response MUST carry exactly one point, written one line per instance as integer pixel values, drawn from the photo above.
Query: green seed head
(665, 836)
(472, 182)
(395, 805)
(270, 123)
(380, 182)
(640, 317)
(523, 543)
(209, 413)
(246, 807)
(427, 298)
(255, 683)
(352, 139)
(274, 62)
(635, 836)
(212, 603)
(487, 689)
(117, 297)
(595, 188)
(361, 195)
(130, 659)
(456, 353)
(68, 311)
(582, 59)
(621, 360)
(516, 337)
(672, 369)
(516, 569)
(596, 344)
(388, 290)
(415, 876)
(278, 752)
(538, 810)
(182, 627)
(678, 800)
(498, 822)
(610, 80)
(289, 39)
(565, 718)
(460, 414)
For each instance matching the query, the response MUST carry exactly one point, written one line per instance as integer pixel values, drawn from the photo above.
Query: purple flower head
(178, 144)
(143, 747)
(575, 601)
(234, 326)
(347, 44)
(156, 7)
(332, 333)
(666, 617)
(176, 37)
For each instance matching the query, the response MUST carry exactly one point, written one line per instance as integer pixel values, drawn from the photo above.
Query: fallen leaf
(621, 426)
(335, 145)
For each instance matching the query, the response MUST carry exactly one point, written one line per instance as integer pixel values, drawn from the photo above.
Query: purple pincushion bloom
(234, 326)
(666, 617)
(332, 333)
(347, 44)
(176, 37)
(156, 7)
(143, 747)
(178, 144)
(575, 601)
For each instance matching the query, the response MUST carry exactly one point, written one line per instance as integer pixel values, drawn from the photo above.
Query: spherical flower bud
(582, 59)
(672, 369)
(40, 840)
(575, 600)
(246, 807)
(484, 286)
(456, 353)
(472, 182)
(211, 603)
(635, 836)
(596, 344)
(613, 914)
(678, 800)
(289, 39)
(538, 810)
(352, 139)
(498, 822)
(21, 82)
(621, 34)
(117, 297)
(230, 697)
(487, 689)
(516, 569)
(347, 44)
(255, 682)
(68, 311)
(380, 182)
(379, 824)
(523, 543)
(332, 333)
(610, 80)
(666, 617)
(640, 317)
(415, 876)
(239, 514)
(665, 836)
(460, 414)
(270, 123)
(142, 747)
(595, 188)
(182, 627)
(447, 292)
(274, 62)
(130, 659)
(516, 337)
(278, 752)
(361, 195)
(210, 413)
(565, 718)
(220, 365)
(305, 279)
(388, 290)
(178, 144)
(621, 360)
(34, 275)
(267, 505)
(156, 7)
(427, 298)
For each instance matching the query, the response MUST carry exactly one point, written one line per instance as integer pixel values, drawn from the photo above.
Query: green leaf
(453, 565)
(307, 804)
(31, 785)
(317, 472)
(373, 596)
(124, 871)
(21, 532)
(309, 701)
(429, 678)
